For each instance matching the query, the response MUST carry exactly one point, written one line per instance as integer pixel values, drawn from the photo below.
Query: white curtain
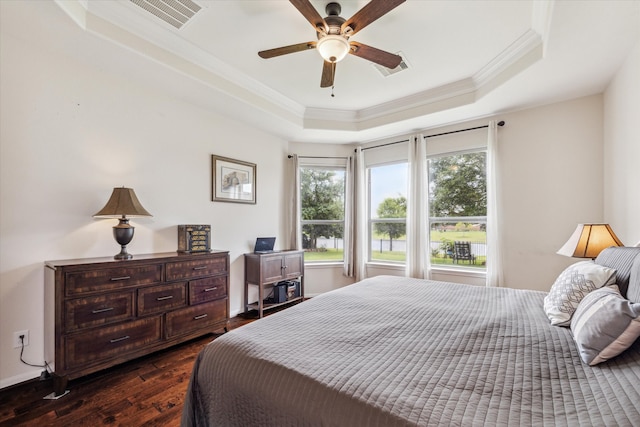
(495, 275)
(295, 239)
(417, 264)
(360, 214)
(350, 219)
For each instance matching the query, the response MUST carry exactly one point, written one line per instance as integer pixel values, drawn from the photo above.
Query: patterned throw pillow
(573, 284)
(604, 325)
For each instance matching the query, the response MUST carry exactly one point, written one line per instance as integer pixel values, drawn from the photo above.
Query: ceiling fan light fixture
(333, 48)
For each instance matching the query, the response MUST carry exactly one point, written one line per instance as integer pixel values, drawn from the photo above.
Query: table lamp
(123, 202)
(588, 240)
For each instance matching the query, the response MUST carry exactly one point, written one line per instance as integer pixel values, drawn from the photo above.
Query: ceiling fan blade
(372, 54)
(270, 53)
(310, 13)
(328, 74)
(369, 13)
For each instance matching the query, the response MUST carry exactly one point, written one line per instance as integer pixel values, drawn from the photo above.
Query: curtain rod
(500, 123)
(317, 157)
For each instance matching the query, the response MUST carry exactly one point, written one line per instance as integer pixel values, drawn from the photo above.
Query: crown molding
(194, 62)
(177, 54)
(521, 54)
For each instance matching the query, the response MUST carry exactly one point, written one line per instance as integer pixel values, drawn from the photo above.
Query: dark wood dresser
(100, 312)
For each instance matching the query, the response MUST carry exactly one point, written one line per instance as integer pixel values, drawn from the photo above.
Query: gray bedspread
(394, 351)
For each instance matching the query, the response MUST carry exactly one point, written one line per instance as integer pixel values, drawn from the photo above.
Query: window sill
(463, 272)
(325, 264)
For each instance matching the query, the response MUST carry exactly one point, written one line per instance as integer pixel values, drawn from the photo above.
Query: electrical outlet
(17, 343)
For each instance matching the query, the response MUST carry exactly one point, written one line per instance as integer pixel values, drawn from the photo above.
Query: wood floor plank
(147, 391)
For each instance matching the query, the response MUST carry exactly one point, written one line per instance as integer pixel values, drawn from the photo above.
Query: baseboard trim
(19, 379)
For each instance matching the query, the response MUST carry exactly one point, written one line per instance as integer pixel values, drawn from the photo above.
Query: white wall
(552, 179)
(69, 134)
(622, 150)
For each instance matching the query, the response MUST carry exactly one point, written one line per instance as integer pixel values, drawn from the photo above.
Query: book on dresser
(100, 312)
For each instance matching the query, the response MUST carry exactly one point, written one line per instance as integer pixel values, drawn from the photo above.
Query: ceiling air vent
(173, 12)
(386, 72)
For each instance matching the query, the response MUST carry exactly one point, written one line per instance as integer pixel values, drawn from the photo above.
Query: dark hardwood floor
(148, 391)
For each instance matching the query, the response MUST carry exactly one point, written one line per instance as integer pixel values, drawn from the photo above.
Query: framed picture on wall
(232, 180)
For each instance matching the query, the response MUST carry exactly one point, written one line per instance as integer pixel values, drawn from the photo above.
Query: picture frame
(232, 180)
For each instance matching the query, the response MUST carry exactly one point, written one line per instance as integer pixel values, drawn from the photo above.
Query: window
(322, 193)
(388, 212)
(458, 209)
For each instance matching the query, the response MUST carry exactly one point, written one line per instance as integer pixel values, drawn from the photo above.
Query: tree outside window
(392, 208)
(458, 208)
(322, 192)
(388, 212)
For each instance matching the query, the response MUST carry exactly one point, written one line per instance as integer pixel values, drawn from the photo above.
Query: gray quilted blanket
(394, 351)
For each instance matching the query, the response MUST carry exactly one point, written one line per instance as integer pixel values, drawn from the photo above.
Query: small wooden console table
(267, 269)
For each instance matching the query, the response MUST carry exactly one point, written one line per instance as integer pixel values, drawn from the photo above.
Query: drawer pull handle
(202, 316)
(115, 279)
(164, 298)
(115, 340)
(101, 310)
(203, 267)
(211, 289)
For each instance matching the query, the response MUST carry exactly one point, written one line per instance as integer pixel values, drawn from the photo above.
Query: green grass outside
(335, 255)
(330, 255)
(463, 236)
(480, 262)
(436, 236)
(390, 256)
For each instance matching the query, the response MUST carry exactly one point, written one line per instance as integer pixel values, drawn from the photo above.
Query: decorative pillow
(621, 259)
(604, 325)
(633, 290)
(571, 286)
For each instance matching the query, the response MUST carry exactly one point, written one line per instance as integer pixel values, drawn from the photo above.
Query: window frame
(325, 166)
(372, 221)
(467, 219)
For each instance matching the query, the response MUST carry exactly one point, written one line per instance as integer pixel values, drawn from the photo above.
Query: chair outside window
(462, 252)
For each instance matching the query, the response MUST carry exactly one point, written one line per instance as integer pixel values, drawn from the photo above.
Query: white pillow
(573, 284)
(604, 325)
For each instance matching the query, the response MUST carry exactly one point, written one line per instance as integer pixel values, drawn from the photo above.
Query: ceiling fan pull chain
(332, 95)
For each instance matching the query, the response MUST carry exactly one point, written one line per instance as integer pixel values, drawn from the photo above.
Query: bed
(394, 351)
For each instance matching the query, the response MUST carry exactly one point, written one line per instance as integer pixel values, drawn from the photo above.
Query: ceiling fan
(333, 36)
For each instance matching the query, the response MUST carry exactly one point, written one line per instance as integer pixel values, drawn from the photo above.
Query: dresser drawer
(196, 268)
(156, 299)
(197, 317)
(208, 289)
(109, 342)
(112, 278)
(99, 310)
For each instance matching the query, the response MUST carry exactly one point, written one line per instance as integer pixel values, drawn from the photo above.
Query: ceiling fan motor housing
(333, 19)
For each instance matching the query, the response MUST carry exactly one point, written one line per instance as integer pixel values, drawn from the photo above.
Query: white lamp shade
(333, 48)
(588, 240)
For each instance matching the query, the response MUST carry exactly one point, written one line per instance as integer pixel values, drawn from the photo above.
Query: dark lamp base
(123, 233)
(123, 254)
